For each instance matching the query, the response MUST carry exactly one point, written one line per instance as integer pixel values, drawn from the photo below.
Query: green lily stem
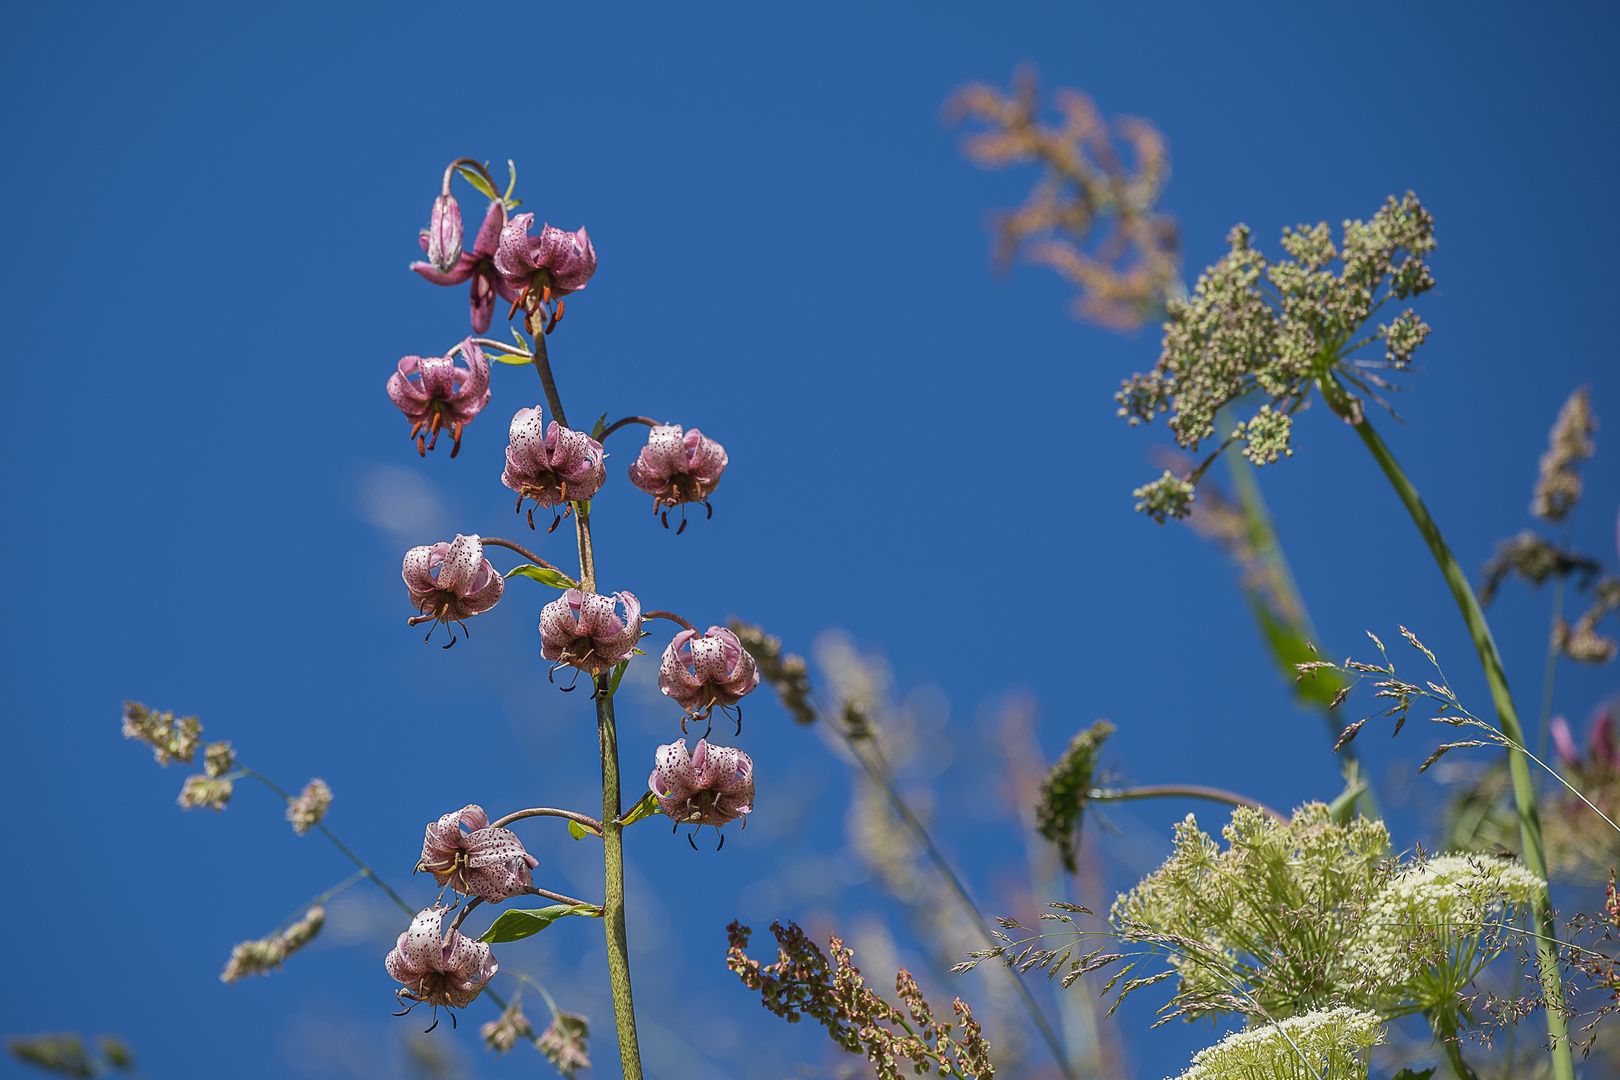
(1524, 792)
(618, 948)
(1549, 675)
(1182, 791)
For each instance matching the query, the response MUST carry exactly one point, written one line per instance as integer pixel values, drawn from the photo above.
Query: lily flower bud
(444, 234)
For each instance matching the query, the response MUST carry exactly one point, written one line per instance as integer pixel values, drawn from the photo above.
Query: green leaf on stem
(516, 361)
(646, 808)
(596, 431)
(522, 343)
(476, 179)
(578, 831)
(516, 925)
(543, 575)
(511, 169)
(618, 673)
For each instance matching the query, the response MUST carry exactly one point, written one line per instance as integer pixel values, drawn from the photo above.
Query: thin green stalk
(1549, 674)
(624, 1011)
(877, 767)
(618, 948)
(1524, 792)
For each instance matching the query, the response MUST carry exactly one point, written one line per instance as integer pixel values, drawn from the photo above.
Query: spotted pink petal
(461, 565)
(464, 269)
(489, 233)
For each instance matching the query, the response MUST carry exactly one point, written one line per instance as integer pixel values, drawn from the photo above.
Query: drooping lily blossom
(585, 630)
(674, 468)
(477, 265)
(537, 270)
(444, 233)
(451, 582)
(461, 850)
(701, 671)
(553, 468)
(713, 786)
(450, 971)
(441, 395)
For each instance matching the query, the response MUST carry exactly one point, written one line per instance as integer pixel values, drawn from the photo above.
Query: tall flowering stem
(618, 948)
(1524, 791)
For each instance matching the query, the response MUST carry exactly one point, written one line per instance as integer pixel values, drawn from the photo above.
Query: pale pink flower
(441, 395)
(451, 582)
(477, 265)
(1564, 741)
(586, 630)
(553, 264)
(551, 464)
(674, 468)
(444, 233)
(713, 786)
(701, 671)
(449, 971)
(477, 860)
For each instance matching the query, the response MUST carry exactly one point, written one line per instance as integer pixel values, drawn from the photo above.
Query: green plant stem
(877, 767)
(1182, 791)
(1524, 792)
(618, 948)
(624, 1013)
(1549, 675)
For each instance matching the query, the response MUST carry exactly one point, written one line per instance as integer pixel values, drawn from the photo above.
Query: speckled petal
(514, 254)
(481, 298)
(673, 778)
(399, 965)
(487, 590)
(705, 458)
(419, 563)
(460, 272)
(420, 944)
(474, 380)
(461, 565)
(407, 395)
(489, 233)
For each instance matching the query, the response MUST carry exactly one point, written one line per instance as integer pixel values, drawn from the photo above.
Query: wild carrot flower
(674, 468)
(306, 811)
(450, 971)
(551, 464)
(451, 582)
(701, 671)
(479, 861)
(713, 785)
(478, 265)
(586, 630)
(1283, 326)
(442, 395)
(1328, 1044)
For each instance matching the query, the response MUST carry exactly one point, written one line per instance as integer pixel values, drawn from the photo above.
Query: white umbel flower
(1329, 1044)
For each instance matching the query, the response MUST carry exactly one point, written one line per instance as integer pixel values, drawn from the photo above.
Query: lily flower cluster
(597, 633)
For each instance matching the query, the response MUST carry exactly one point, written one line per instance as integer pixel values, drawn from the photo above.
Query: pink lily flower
(478, 265)
(480, 861)
(674, 468)
(442, 395)
(451, 582)
(714, 786)
(451, 971)
(553, 468)
(701, 671)
(586, 631)
(558, 260)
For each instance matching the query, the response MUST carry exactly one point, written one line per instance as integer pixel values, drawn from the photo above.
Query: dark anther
(691, 841)
(665, 516)
(722, 842)
(421, 446)
(531, 513)
(555, 521)
(683, 526)
(452, 1021)
(710, 509)
(435, 1021)
(739, 719)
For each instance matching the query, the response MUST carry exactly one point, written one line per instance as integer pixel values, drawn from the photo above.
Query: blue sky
(209, 492)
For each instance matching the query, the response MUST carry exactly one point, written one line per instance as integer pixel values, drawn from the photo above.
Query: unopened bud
(444, 234)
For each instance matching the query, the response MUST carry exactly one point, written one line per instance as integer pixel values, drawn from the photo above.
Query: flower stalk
(1524, 792)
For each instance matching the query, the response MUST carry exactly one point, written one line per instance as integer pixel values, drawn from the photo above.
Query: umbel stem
(1524, 792)
(618, 948)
